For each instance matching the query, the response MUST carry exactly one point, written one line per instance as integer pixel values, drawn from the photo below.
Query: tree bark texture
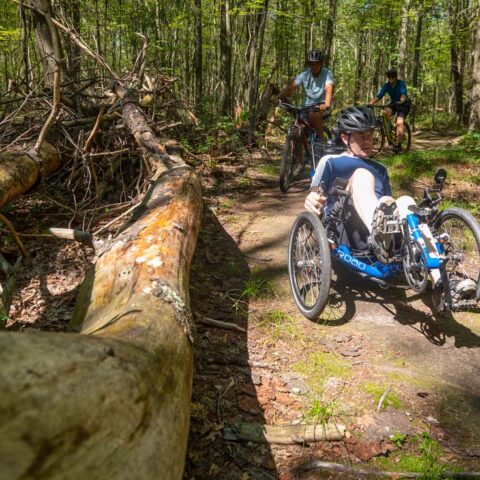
(113, 403)
(48, 40)
(416, 63)
(19, 171)
(456, 20)
(474, 122)
(402, 40)
(329, 33)
(154, 153)
(225, 59)
(198, 61)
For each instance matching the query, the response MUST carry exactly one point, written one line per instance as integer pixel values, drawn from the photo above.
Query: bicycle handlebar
(289, 106)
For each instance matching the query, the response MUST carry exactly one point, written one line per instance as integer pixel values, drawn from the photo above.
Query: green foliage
(10, 34)
(279, 324)
(377, 390)
(398, 439)
(406, 167)
(319, 366)
(257, 287)
(319, 412)
(425, 461)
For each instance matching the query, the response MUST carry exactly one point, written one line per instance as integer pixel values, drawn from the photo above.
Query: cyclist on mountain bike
(399, 103)
(370, 197)
(317, 83)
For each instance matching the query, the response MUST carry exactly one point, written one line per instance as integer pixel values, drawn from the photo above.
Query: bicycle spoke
(307, 265)
(463, 256)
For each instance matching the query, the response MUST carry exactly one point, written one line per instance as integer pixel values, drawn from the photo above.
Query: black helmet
(392, 72)
(315, 55)
(356, 119)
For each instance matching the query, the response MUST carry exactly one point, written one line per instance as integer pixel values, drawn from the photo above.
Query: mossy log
(112, 403)
(19, 171)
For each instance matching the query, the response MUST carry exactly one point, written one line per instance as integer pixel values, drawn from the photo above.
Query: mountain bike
(456, 233)
(298, 152)
(388, 132)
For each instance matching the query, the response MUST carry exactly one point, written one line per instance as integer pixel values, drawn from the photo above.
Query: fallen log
(19, 171)
(112, 403)
(284, 434)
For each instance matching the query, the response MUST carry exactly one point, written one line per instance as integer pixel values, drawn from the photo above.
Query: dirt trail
(285, 368)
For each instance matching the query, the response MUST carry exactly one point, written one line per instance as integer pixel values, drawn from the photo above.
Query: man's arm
(317, 197)
(315, 200)
(328, 97)
(287, 91)
(403, 92)
(379, 95)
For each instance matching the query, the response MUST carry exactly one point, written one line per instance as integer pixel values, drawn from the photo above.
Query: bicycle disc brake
(415, 267)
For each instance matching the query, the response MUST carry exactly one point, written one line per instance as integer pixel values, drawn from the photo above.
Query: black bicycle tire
(376, 151)
(407, 137)
(310, 311)
(287, 163)
(469, 220)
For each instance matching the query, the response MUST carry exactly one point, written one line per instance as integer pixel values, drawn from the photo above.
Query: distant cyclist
(317, 83)
(399, 103)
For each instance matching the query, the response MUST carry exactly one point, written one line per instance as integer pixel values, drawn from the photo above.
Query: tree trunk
(225, 59)
(416, 64)
(402, 46)
(456, 56)
(72, 8)
(19, 172)
(198, 61)
(47, 40)
(117, 405)
(27, 64)
(474, 121)
(359, 68)
(329, 34)
(259, 20)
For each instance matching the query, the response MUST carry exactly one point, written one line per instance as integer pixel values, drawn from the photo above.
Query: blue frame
(377, 269)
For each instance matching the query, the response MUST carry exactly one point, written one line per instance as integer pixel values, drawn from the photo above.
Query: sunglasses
(391, 76)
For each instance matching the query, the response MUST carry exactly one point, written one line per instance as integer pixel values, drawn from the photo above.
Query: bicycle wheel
(309, 265)
(407, 138)
(378, 140)
(287, 164)
(463, 248)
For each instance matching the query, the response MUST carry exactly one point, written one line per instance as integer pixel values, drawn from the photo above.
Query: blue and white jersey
(314, 87)
(343, 166)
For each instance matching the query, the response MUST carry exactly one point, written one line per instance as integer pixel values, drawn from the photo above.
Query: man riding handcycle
(353, 217)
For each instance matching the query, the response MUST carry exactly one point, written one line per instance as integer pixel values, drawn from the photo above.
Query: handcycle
(456, 233)
(388, 132)
(295, 150)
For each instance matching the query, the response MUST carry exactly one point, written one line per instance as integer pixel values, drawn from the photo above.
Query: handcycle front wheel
(462, 247)
(290, 154)
(309, 265)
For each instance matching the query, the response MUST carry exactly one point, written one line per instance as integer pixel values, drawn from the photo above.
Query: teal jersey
(314, 87)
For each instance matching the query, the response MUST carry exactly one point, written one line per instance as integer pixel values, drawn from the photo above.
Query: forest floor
(284, 369)
(281, 368)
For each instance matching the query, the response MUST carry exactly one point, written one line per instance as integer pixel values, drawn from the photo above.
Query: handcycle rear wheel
(309, 265)
(289, 158)
(463, 248)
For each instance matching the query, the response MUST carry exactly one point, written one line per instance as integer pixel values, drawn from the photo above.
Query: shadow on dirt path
(225, 378)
